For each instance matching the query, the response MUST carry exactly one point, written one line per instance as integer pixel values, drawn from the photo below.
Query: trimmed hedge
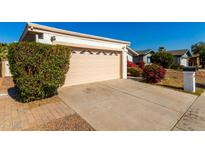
(38, 69)
(153, 73)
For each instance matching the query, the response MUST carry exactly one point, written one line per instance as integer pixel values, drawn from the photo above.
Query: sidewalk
(194, 118)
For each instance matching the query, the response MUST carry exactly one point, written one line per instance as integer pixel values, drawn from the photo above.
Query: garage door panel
(86, 67)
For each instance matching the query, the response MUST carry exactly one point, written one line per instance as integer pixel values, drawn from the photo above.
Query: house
(131, 53)
(93, 58)
(181, 57)
(143, 55)
(195, 61)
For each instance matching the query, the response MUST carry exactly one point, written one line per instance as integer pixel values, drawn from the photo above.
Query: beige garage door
(88, 66)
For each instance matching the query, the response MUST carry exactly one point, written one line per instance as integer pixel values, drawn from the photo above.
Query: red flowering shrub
(153, 73)
(135, 71)
(131, 64)
(141, 64)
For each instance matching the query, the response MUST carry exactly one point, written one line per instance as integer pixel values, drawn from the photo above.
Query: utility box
(189, 79)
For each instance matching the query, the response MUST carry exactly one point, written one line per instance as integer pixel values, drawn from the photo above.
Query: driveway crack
(175, 125)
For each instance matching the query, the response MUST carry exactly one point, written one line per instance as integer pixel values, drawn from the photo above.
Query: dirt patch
(174, 79)
(69, 123)
(177, 76)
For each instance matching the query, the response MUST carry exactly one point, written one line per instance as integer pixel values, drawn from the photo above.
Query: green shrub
(162, 58)
(38, 69)
(3, 51)
(177, 67)
(153, 73)
(135, 71)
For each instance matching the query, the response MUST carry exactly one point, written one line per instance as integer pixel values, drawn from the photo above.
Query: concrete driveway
(127, 105)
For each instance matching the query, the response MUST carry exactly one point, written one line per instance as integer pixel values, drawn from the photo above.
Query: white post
(36, 37)
(189, 79)
(124, 63)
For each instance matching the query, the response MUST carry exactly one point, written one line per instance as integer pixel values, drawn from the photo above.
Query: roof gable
(145, 52)
(132, 52)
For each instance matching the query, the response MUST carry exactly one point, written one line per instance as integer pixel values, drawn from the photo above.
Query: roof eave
(133, 51)
(24, 33)
(65, 32)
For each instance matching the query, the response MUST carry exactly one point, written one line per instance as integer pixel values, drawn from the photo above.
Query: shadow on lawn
(200, 85)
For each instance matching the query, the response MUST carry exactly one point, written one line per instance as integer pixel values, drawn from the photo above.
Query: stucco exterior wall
(129, 57)
(90, 42)
(5, 68)
(145, 58)
(79, 40)
(181, 60)
(184, 61)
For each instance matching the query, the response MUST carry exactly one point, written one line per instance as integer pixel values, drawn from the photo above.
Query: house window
(148, 60)
(40, 36)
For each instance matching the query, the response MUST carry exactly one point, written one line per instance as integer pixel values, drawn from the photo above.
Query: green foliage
(135, 71)
(161, 49)
(202, 58)
(199, 48)
(177, 67)
(153, 73)
(162, 58)
(3, 51)
(38, 69)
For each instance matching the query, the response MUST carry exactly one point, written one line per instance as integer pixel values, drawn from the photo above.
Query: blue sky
(141, 35)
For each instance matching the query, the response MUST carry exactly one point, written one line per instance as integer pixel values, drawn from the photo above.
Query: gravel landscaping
(69, 123)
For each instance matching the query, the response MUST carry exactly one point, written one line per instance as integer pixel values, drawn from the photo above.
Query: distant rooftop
(144, 52)
(179, 52)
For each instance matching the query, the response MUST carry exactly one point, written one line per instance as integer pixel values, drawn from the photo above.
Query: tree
(199, 48)
(202, 57)
(3, 51)
(161, 49)
(162, 58)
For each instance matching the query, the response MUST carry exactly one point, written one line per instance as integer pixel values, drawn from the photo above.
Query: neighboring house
(181, 57)
(93, 58)
(144, 55)
(131, 53)
(195, 61)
